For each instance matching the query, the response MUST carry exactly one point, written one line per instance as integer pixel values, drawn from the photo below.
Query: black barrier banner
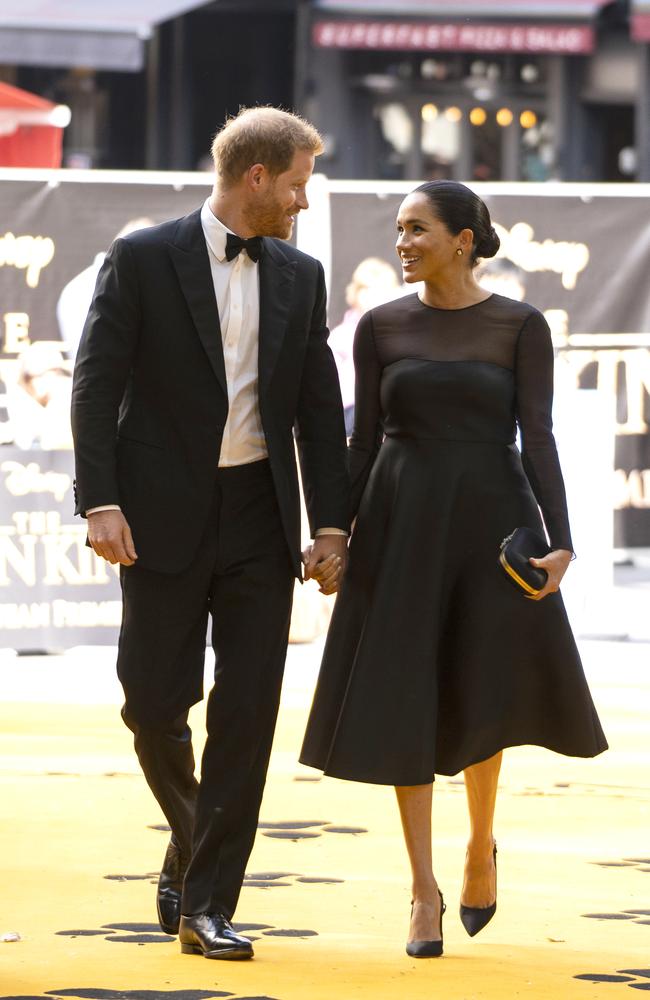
(53, 237)
(54, 591)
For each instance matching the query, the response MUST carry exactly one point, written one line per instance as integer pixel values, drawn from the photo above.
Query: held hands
(110, 537)
(325, 561)
(555, 564)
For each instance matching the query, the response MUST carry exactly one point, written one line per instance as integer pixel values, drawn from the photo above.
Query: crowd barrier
(577, 252)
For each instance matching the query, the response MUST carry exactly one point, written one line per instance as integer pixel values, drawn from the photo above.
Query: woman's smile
(409, 261)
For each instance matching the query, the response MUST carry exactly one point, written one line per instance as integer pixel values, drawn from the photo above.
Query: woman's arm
(534, 387)
(368, 430)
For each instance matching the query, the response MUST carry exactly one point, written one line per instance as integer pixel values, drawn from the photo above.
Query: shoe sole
(228, 954)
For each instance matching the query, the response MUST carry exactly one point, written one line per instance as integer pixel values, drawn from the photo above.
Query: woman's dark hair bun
(489, 244)
(458, 208)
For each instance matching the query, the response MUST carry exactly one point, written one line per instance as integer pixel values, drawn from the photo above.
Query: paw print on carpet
(108, 994)
(147, 877)
(131, 933)
(304, 829)
(271, 880)
(636, 979)
(291, 932)
(270, 931)
(143, 934)
(636, 916)
(640, 864)
(299, 829)
(256, 880)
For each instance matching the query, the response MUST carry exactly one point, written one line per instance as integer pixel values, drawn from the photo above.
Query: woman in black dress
(434, 662)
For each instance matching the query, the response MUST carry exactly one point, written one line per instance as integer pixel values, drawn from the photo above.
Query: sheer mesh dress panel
(496, 332)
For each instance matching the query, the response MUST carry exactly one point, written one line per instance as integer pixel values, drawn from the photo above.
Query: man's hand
(325, 561)
(110, 536)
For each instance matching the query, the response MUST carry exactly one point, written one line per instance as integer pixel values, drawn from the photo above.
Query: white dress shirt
(237, 291)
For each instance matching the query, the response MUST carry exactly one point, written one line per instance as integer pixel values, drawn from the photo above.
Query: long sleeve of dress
(368, 430)
(534, 388)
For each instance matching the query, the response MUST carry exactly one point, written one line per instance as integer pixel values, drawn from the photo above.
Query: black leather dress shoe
(170, 887)
(211, 935)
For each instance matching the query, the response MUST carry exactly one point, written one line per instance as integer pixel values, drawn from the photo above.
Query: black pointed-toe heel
(427, 949)
(475, 918)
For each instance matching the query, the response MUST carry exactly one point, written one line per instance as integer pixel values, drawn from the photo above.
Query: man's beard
(270, 219)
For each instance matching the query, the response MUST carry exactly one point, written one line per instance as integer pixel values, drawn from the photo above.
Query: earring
(459, 252)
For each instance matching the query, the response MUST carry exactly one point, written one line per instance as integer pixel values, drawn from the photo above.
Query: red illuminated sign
(428, 37)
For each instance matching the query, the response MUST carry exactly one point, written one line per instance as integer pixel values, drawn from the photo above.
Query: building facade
(479, 90)
(473, 89)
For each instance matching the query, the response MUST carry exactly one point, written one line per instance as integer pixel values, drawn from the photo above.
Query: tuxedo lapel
(277, 276)
(189, 255)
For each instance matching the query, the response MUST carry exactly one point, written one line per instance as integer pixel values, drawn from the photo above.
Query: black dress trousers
(242, 576)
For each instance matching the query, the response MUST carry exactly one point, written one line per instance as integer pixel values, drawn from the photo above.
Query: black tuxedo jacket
(149, 400)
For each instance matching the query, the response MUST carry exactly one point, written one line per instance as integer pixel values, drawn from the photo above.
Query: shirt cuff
(96, 510)
(329, 531)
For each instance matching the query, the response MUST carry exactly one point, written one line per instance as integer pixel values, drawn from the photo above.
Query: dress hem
(399, 781)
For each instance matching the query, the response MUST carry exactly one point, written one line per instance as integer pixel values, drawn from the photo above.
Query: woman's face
(425, 246)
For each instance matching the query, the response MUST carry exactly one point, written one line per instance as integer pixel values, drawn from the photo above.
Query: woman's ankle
(428, 894)
(479, 847)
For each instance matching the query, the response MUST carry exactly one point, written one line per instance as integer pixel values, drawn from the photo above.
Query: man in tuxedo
(204, 352)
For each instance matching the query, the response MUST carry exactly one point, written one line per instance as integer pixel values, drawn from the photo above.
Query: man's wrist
(108, 506)
(330, 531)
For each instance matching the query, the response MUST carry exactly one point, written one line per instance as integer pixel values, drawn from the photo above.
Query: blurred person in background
(503, 276)
(373, 282)
(39, 402)
(75, 298)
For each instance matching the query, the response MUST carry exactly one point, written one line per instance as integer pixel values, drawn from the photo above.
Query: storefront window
(461, 115)
(486, 143)
(397, 127)
(397, 131)
(537, 158)
(440, 138)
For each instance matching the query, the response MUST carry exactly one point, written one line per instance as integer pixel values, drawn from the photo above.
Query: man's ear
(255, 176)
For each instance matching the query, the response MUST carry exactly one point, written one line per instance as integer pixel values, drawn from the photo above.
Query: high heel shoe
(475, 918)
(427, 949)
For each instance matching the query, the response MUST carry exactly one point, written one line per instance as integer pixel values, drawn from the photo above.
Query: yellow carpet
(328, 880)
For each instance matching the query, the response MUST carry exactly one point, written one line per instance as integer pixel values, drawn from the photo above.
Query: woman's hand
(328, 574)
(555, 564)
(325, 561)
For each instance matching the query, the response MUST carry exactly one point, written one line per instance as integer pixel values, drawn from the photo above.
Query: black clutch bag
(516, 550)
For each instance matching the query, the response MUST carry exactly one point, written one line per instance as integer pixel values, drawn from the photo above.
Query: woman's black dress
(434, 660)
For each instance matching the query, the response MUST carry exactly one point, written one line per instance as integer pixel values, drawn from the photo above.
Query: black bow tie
(235, 244)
